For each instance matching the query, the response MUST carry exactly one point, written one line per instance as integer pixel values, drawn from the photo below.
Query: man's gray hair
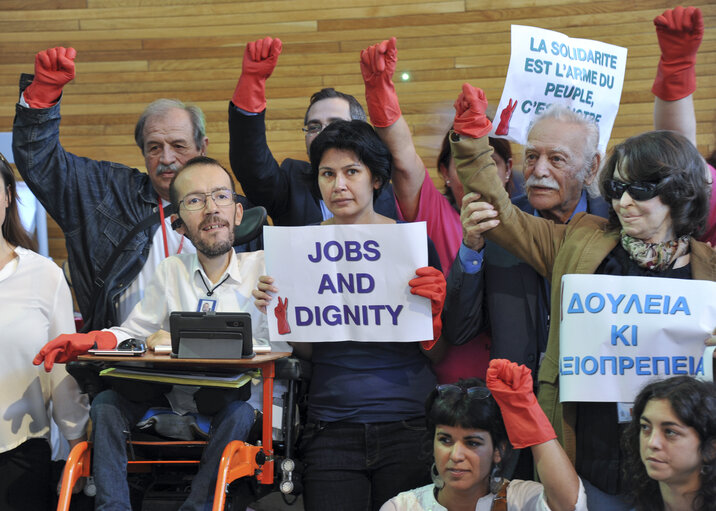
(591, 141)
(160, 107)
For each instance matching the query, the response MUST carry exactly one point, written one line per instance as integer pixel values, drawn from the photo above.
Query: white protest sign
(618, 333)
(549, 67)
(347, 282)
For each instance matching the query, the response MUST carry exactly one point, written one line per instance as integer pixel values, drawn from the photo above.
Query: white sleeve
(70, 408)
(529, 496)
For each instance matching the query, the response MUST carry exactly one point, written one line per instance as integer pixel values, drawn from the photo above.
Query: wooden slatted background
(131, 52)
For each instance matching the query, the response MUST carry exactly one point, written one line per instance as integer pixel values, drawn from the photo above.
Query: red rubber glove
(511, 386)
(377, 64)
(430, 283)
(470, 117)
(679, 32)
(53, 69)
(260, 58)
(68, 347)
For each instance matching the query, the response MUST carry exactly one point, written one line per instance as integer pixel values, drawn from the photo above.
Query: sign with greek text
(347, 283)
(548, 67)
(619, 333)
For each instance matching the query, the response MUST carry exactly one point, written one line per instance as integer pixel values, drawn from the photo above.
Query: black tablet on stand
(211, 335)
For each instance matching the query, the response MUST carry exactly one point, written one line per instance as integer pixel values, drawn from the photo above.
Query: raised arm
(262, 179)
(377, 64)
(527, 426)
(679, 31)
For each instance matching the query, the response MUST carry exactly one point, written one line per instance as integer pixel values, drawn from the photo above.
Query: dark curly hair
(671, 161)
(694, 403)
(461, 410)
(359, 138)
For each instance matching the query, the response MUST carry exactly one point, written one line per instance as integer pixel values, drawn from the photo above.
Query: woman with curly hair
(670, 446)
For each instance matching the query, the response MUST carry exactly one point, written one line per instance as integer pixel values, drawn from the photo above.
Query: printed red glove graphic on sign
(280, 312)
(504, 127)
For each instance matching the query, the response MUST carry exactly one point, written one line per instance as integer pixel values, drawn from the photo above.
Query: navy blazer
(507, 296)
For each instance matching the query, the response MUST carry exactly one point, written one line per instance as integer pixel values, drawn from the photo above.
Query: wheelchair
(247, 472)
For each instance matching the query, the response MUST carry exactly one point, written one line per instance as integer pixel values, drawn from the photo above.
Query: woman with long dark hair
(670, 446)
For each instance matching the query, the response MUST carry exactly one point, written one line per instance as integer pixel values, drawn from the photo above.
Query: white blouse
(35, 307)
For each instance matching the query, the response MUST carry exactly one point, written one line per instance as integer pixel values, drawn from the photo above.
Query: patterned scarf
(655, 256)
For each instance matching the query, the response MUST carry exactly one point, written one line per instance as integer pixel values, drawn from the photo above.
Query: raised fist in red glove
(68, 347)
(53, 69)
(377, 64)
(260, 58)
(430, 283)
(679, 32)
(511, 386)
(470, 117)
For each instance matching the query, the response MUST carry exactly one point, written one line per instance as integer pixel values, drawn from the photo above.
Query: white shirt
(521, 496)
(177, 286)
(35, 307)
(176, 244)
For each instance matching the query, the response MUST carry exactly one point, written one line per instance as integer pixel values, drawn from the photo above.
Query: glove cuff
(383, 106)
(41, 95)
(527, 426)
(674, 82)
(473, 129)
(250, 94)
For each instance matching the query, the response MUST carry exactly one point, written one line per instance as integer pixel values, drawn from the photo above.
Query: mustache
(165, 169)
(213, 220)
(542, 182)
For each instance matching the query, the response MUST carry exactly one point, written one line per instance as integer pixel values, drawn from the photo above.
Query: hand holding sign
(470, 117)
(261, 293)
(377, 65)
(431, 284)
(680, 32)
(511, 386)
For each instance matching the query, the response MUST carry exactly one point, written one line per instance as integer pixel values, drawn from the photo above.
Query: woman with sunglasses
(35, 306)
(655, 185)
(469, 425)
(670, 446)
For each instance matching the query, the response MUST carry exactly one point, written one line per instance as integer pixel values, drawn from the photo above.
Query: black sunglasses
(449, 390)
(637, 191)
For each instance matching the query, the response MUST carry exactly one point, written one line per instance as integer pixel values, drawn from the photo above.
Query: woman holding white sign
(655, 184)
(670, 446)
(362, 442)
(470, 424)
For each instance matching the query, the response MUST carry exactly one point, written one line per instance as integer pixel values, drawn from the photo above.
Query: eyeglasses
(637, 191)
(196, 201)
(313, 128)
(449, 390)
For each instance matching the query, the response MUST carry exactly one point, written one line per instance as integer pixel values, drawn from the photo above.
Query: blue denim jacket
(95, 203)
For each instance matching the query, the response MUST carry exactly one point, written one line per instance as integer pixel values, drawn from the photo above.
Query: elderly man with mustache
(111, 214)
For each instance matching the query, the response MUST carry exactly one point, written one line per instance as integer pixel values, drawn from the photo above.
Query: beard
(215, 248)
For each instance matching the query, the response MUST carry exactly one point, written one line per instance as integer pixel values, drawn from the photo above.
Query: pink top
(710, 234)
(443, 222)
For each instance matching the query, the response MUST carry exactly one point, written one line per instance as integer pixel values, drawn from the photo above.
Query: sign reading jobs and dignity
(347, 282)
(549, 67)
(618, 333)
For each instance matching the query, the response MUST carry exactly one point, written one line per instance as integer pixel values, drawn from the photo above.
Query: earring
(435, 476)
(447, 182)
(495, 479)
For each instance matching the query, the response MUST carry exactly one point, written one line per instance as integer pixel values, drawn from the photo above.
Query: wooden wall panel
(131, 52)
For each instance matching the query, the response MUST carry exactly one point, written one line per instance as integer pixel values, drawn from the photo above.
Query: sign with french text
(347, 282)
(549, 67)
(619, 333)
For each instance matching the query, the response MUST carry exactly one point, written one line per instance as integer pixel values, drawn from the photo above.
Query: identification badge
(206, 305)
(624, 412)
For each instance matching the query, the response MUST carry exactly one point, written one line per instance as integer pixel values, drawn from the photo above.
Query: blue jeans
(359, 467)
(113, 416)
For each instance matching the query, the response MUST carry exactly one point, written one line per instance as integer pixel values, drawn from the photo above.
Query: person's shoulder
(417, 499)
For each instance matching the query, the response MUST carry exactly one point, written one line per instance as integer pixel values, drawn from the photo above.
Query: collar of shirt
(232, 270)
(581, 206)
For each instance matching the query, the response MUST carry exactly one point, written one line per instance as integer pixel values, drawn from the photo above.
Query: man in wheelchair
(207, 212)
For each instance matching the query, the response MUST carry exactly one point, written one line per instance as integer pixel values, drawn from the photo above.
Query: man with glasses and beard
(97, 204)
(207, 212)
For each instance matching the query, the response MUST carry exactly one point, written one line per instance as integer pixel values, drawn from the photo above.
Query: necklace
(210, 292)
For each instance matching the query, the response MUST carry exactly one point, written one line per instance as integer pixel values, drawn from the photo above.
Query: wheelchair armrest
(292, 368)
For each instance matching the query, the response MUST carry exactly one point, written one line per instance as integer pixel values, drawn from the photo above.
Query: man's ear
(204, 146)
(177, 224)
(594, 169)
(239, 213)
